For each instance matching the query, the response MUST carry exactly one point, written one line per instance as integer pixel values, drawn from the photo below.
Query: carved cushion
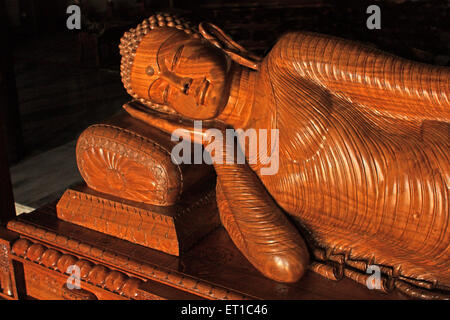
(129, 161)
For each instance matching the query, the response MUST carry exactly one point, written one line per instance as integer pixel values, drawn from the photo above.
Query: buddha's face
(183, 72)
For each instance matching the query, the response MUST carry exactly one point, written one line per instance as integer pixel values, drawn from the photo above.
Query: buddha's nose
(182, 83)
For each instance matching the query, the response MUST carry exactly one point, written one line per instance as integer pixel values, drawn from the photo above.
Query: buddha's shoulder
(292, 40)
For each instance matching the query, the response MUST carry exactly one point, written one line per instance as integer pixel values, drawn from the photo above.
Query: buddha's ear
(220, 39)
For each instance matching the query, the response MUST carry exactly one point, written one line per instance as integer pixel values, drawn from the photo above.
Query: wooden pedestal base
(172, 229)
(44, 246)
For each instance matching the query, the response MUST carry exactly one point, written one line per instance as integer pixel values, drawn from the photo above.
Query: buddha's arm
(366, 76)
(256, 224)
(171, 127)
(258, 227)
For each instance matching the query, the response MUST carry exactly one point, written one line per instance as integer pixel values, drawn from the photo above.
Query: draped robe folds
(363, 150)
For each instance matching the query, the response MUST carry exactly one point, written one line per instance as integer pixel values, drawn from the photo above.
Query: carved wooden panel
(95, 251)
(42, 286)
(120, 162)
(46, 276)
(171, 229)
(125, 158)
(5, 272)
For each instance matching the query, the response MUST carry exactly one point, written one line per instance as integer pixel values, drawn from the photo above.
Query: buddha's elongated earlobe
(236, 52)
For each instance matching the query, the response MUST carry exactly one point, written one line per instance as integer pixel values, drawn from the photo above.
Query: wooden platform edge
(124, 264)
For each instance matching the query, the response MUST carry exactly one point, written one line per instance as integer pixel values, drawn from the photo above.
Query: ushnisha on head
(172, 67)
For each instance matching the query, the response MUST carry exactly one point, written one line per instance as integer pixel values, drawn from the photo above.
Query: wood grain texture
(45, 271)
(172, 230)
(123, 158)
(212, 269)
(48, 232)
(5, 272)
(7, 277)
(136, 192)
(43, 284)
(110, 163)
(363, 146)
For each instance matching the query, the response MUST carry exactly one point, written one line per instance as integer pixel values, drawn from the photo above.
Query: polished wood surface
(212, 269)
(170, 229)
(363, 148)
(121, 163)
(8, 285)
(136, 192)
(126, 158)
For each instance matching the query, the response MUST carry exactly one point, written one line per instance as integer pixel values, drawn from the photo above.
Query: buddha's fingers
(258, 227)
(171, 127)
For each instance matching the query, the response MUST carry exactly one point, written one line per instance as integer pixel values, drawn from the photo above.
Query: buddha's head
(171, 67)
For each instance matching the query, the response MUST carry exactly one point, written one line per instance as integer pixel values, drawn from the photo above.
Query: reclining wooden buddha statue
(363, 145)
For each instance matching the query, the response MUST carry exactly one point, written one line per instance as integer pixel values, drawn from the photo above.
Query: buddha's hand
(173, 124)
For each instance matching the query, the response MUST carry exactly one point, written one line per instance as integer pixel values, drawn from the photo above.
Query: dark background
(55, 82)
